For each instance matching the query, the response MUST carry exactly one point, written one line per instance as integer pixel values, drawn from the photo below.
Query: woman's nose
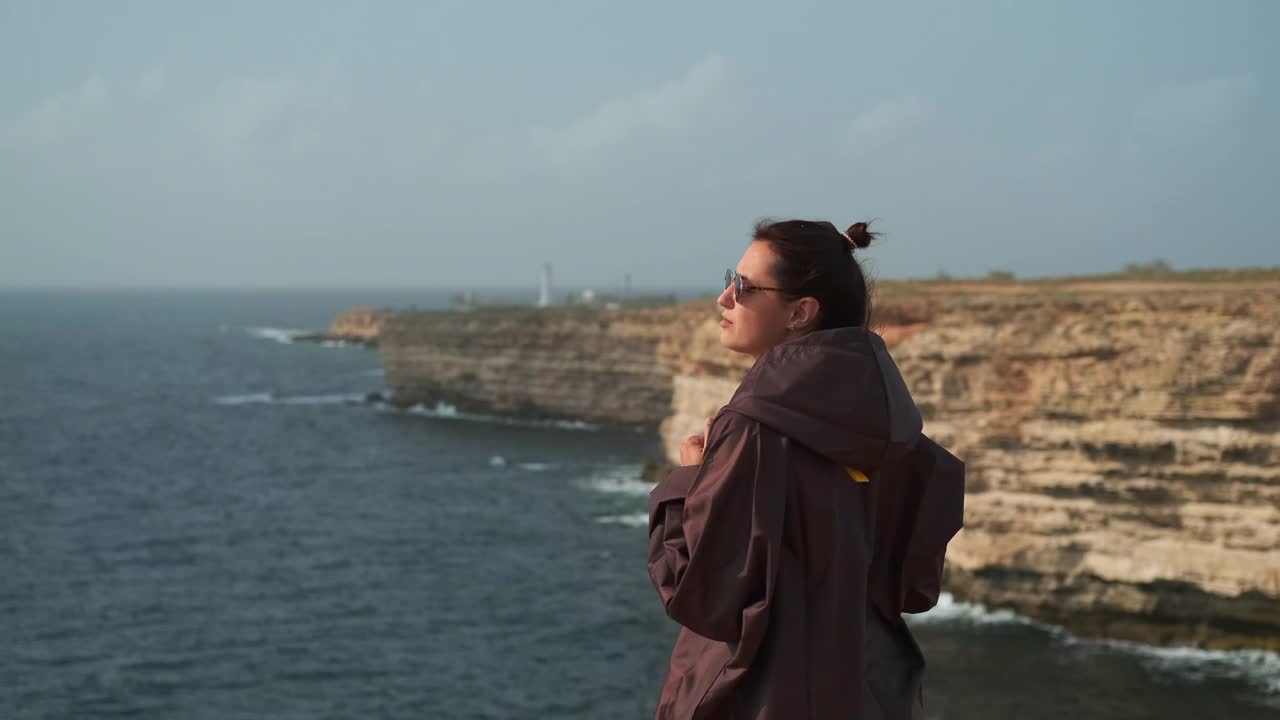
(726, 298)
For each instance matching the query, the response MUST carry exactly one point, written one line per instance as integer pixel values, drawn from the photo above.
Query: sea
(201, 517)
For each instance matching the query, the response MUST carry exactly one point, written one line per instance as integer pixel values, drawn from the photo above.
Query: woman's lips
(724, 323)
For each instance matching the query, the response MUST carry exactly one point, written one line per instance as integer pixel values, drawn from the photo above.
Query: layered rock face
(357, 326)
(1122, 441)
(363, 323)
(1123, 448)
(565, 362)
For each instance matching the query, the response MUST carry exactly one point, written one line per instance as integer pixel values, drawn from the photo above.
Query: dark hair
(816, 260)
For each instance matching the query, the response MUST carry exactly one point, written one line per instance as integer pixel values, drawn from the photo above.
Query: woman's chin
(727, 339)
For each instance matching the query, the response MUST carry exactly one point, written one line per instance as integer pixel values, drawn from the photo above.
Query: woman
(812, 514)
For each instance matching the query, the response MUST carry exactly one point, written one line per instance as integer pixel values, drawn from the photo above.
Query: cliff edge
(1122, 439)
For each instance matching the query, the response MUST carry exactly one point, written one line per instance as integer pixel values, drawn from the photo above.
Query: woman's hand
(693, 446)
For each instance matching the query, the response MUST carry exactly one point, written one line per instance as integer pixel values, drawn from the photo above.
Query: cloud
(666, 107)
(152, 82)
(886, 122)
(58, 115)
(247, 108)
(1176, 111)
(94, 90)
(293, 112)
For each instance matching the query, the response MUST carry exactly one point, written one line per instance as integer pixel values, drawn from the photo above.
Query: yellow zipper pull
(857, 475)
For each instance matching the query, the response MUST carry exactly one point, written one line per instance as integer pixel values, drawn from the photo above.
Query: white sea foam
(536, 466)
(280, 335)
(619, 479)
(498, 461)
(328, 399)
(443, 410)
(1259, 668)
(271, 399)
(630, 520)
(951, 610)
(249, 399)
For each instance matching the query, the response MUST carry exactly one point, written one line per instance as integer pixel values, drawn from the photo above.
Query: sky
(458, 144)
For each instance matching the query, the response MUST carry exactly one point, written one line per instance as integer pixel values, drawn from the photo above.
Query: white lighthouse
(544, 295)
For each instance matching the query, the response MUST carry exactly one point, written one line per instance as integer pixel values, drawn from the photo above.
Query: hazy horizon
(558, 290)
(323, 145)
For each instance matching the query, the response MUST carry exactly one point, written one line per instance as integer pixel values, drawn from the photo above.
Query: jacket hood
(838, 393)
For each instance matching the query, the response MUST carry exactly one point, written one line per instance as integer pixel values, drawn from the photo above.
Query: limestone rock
(1122, 440)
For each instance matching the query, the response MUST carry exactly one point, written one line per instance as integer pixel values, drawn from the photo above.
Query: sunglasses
(741, 286)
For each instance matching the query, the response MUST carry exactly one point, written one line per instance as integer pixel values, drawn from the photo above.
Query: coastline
(1122, 439)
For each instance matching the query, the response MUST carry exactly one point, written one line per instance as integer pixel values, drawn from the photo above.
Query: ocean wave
(249, 399)
(620, 480)
(950, 610)
(443, 410)
(280, 335)
(329, 399)
(271, 399)
(536, 466)
(500, 461)
(340, 343)
(1258, 668)
(630, 520)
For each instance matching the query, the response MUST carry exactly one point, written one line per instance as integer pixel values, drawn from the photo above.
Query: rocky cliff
(357, 326)
(566, 362)
(1123, 444)
(1122, 440)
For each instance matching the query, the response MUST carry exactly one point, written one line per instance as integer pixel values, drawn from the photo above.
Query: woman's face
(758, 319)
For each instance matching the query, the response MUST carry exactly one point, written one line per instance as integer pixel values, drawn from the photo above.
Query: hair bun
(859, 236)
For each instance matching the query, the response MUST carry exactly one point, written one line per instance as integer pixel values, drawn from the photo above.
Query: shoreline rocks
(359, 326)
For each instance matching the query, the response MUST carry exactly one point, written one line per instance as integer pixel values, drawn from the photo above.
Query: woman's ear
(804, 313)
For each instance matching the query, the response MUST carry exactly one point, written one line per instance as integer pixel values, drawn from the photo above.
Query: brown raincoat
(819, 514)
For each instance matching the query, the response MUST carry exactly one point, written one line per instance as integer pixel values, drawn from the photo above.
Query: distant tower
(544, 297)
(626, 286)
